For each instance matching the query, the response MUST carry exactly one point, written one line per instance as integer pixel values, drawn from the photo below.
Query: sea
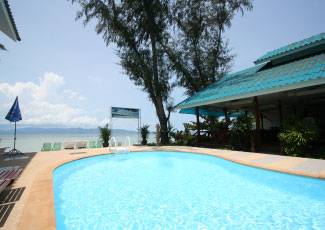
(33, 142)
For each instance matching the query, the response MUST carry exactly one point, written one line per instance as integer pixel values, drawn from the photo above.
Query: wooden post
(280, 112)
(262, 121)
(157, 134)
(257, 122)
(226, 117)
(252, 142)
(198, 126)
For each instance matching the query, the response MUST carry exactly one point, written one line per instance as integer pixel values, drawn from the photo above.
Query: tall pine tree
(136, 27)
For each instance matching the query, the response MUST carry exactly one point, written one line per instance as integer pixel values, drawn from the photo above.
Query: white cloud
(45, 103)
(50, 86)
(73, 95)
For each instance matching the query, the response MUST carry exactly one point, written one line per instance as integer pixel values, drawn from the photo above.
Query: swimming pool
(175, 190)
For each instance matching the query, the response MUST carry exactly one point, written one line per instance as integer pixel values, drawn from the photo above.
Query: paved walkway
(35, 207)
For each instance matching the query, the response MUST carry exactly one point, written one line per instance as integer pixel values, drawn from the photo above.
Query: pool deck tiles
(268, 159)
(240, 155)
(253, 156)
(35, 209)
(287, 163)
(310, 165)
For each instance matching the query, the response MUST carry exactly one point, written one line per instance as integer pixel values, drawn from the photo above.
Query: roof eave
(314, 82)
(9, 20)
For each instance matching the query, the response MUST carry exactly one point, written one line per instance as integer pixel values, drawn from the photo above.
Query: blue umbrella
(14, 115)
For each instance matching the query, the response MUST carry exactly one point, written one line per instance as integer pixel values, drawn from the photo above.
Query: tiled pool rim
(39, 213)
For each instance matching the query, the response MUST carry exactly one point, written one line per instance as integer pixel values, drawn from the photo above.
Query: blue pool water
(173, 190)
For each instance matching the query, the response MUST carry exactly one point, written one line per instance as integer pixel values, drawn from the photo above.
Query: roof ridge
(292, 46)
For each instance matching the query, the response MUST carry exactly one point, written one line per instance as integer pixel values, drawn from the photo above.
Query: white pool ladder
(123, 149)
(128, 142)
(111, 140)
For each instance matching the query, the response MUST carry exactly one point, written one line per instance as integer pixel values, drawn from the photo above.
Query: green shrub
(240, 132)
(186, 138)
(296, 135)
(189, 140)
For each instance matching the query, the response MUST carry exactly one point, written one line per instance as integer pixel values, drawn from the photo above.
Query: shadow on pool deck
(16, 161)
(12, 194)
(8, 198)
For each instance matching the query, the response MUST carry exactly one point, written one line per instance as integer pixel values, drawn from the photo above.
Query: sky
(65, 75)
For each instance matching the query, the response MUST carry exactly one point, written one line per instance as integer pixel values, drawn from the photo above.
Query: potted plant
(105, 134)
(144, 133)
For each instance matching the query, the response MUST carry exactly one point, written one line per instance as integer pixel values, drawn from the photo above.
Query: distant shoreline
(59, 130)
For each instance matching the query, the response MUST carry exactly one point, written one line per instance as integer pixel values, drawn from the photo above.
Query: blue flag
(14, 113)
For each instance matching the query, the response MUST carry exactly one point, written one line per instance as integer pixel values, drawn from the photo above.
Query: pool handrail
(111, 144)
(128, 139)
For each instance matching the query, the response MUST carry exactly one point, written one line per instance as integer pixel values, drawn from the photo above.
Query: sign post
(119, 112)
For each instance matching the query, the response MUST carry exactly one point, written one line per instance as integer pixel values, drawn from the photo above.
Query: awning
(210, 111)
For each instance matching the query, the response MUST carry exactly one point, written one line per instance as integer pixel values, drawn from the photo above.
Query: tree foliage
(212, 124)
(2, 47)
(197, 48)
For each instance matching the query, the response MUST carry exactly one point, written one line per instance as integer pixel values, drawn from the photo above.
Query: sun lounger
(57, 146)
(46, 147)
(92, 144)
(7, 176)
(69, 144)
(81, 144)
(10, 174)
(4, 184)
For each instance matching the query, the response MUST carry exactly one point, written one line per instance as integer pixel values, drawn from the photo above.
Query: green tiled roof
(252, 80)
(320, 38)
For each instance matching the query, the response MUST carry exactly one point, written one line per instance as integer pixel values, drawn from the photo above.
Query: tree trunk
(164, 131)
(162, 120)
(159, 102)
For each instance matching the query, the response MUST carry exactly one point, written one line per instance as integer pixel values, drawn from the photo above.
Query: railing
(129, 140)
(123, 150)
(111, 140)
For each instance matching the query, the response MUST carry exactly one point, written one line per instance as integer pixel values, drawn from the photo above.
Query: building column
(198, 140)
(257, 122)
(226, 117)
(280, 112)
